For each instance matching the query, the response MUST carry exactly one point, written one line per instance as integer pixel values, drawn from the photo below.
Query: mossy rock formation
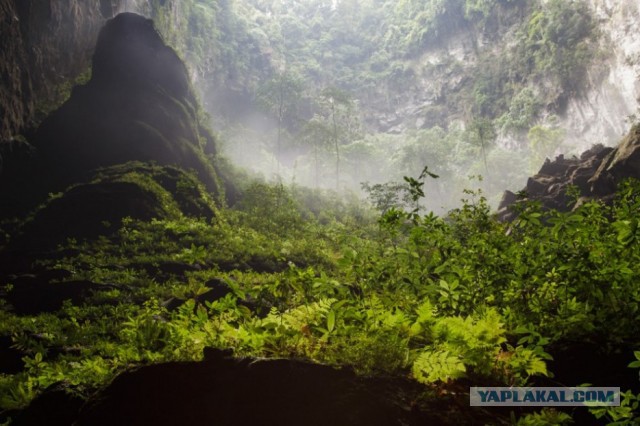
(134, 190)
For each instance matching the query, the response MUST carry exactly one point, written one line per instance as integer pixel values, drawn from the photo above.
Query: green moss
(59, 95)
(180, 190)
(136, 190)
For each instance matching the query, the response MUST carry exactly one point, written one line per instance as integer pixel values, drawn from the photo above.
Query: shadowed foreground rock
(236, 392)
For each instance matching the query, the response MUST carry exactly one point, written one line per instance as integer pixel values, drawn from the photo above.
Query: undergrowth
(441, 299)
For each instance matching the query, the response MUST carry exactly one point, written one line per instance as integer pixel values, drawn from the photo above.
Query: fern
(437, 365)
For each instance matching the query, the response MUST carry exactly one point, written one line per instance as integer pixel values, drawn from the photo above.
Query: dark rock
(573, 362)
(138, 106)
(55, 274)
(219, 288)
(597, 151)
(580, 178)
(32, 295)
(620, 163)
(555, 168)
(133, 190)
(508, 198)
(537, 185)
(173, 303)
(88, 210)
(216, 354)
(177, 268)
(10, 358)
(212, 296)
(226, 391)
(168, 269)
(44, 43)
(55, 407)
(596, 174)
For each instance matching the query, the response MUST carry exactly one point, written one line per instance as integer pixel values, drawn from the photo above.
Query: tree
(337, 109)
(280, 97)
(364, 160)
(316, 134)
(399, 199)
(482, 133)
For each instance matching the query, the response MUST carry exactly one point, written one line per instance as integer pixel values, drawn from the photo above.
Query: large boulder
(596, 175)
(138, 105)
(97, 207)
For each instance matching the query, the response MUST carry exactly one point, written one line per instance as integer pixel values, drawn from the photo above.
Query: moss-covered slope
(132, 190)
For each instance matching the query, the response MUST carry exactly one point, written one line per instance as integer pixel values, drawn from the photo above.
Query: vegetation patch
(447, 300)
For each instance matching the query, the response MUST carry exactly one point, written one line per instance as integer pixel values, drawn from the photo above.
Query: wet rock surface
(44, 44)
(138, 105)
(33, 294)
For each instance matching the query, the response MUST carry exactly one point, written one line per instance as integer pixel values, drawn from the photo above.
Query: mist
(413, 102)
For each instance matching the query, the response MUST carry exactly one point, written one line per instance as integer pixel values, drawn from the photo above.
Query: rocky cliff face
(46, 43)
(138, 105)
(601, 114)
(596, 174)
(598, 113)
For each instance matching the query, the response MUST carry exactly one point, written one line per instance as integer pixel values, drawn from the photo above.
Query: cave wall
(45, 43)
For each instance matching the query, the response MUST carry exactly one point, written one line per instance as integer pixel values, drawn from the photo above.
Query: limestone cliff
(601, 115)
(440, 78)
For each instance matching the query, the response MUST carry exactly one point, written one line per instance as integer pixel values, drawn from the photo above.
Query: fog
(392, 124)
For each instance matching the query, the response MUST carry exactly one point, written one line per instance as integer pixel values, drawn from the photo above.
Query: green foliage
(528, 58)
(436, 298)
(399, 201)
(548, 416)
(555, 45)
(339, 118)
(282, 57)
(271, 208)
(458, 344)
(440, 299)
(523, 111)
(281, 97)
(627, 413)
(439, 365)
(481, 132)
